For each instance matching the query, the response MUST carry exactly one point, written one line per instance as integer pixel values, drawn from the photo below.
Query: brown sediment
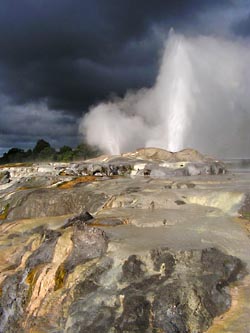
(13, 255)
(236, 319)
(60, 276)
(31, 280)
(28, 224)
(37, 330)
(84, 179)
(5, 212)
(72, 183)
(16, 165)
(244, 222)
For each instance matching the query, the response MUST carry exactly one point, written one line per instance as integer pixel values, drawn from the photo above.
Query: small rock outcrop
(177, 300)
(79, 220)
(164, 290)
(52, 269)
(4, 177)
(52, 202)
(152, 154)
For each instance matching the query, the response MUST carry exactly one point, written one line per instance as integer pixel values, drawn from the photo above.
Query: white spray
(201, 99)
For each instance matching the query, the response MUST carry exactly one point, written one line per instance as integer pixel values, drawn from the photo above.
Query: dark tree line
(44, 152)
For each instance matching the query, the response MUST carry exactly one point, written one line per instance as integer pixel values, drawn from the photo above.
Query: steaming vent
(200, 99)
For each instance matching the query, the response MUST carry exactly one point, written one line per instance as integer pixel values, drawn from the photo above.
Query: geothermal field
(200, 99)
(148, 241)
(124, 166)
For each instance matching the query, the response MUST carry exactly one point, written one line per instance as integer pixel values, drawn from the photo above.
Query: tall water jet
(200, 99)
(174, 92)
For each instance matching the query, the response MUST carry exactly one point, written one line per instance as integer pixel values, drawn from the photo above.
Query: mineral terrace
(149, 241)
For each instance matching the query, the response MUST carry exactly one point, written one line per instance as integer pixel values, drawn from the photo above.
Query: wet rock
(92, 281)
(16, 290)
(83, 218)
(174, 169)
(227, 267)
(183, 299)
(180, 202)
(54, 202)
(163, 261)
(68, 172)
(88, 243)
(112, 170)
(4, 177)
(244, 210)
(135, 316)
(95, 320)
(45, 252)
(109, 222)
(91, 308)
(165, 291)
(187, 306)
(97, 169)
(211, 168)
(133, 268)
(71, 280)
(12, 303)
(189, 300)
(169, 310)
(218, 168)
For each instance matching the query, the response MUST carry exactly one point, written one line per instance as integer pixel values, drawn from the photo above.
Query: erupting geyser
(200, 99)
(174, 90)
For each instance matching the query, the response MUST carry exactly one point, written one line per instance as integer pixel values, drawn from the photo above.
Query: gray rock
(45, 252)
(95, 320)
(88, 243)
(83, 218)
(132, 269)
(244, 209)
(135, 316)
(12, 303)
(163, 260)
(54, 202)
(187, 290)
(4, 177)
(169, 310)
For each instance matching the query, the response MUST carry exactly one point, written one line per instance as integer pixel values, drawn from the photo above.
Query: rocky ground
(150, 241)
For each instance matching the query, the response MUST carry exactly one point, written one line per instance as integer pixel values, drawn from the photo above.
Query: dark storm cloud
(69, 54)
(243, 27)
(42, 42)
(24, 125)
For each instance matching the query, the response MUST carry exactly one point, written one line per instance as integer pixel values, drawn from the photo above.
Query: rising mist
(201, 99)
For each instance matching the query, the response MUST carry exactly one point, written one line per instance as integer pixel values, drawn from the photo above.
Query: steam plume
(201, 99)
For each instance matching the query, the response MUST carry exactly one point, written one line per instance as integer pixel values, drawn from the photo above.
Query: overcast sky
(59, 57)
